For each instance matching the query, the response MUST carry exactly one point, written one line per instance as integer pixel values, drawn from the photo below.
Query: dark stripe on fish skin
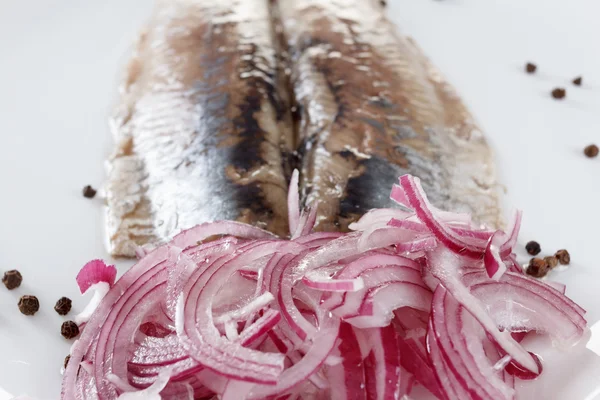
(248, 153)
(371, 189)
(251, 197)
(214, 98)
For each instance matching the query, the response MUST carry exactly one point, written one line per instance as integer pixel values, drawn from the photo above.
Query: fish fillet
(371, 108)
(202, 128)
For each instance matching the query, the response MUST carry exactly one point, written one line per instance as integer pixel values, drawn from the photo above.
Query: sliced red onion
(388, 235)
(415, 197)
(347, 378)
(374, 260)
(306, 222)
(409, 225)
(315, 280)
(561, 287)
(513, 264)
(244, 311)
(445, 265)
(191, 237)
(460, 340)
(283, 279)
(412, 330)
(406, 383)
(100, 289)
(400, 196)
(96, 276)
(494, 265)
(531, 306)
(351, 304)
(379, 218)
(326, 339)
(379, 304)
(150, 393)
(507, 247)
(203, 341)
(382, 366)
(449, 385)
(140, 252)
(324, 315)
(94, 272)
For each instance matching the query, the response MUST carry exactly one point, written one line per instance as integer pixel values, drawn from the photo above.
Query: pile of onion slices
(412, 296)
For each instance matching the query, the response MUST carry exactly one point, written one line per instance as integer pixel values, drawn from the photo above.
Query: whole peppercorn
(533, 248)
(29, 305)
(89, 192)
(591, 151)
(552, 261)
(63, 306)
(559, 93)
(12, 279)
(530, 68)
(537, 268)
(69, 330)
(564, 258)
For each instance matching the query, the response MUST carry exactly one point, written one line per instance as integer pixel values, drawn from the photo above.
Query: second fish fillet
(372, 108)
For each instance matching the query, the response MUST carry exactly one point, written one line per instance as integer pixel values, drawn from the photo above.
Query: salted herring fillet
(202, 130)
(371, 108)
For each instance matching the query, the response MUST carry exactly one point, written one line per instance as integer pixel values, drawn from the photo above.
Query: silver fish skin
(372, 107)
(202, 128)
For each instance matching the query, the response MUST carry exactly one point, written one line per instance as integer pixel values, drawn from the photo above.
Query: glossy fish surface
(371, 108)
(202, 129)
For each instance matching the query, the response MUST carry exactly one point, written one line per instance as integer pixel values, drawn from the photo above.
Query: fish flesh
(202, 126)
(372, 107)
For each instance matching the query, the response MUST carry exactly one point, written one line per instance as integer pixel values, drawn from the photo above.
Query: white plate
(59, 60)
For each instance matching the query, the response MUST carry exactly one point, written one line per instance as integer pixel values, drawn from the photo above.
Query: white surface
(59, 60)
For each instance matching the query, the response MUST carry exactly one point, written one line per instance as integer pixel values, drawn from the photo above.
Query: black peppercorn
(577, 81)
(530, 68)
(537, 268)
(63, 306)
(69, 330)
(67, 358)
(564, 258)
(552, 261)
(89, 192)
(559, 93)
(533, 248)
(29, 305)
(591, 151)
(12, 279)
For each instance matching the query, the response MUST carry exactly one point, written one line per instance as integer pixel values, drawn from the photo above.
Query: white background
(59, 64)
